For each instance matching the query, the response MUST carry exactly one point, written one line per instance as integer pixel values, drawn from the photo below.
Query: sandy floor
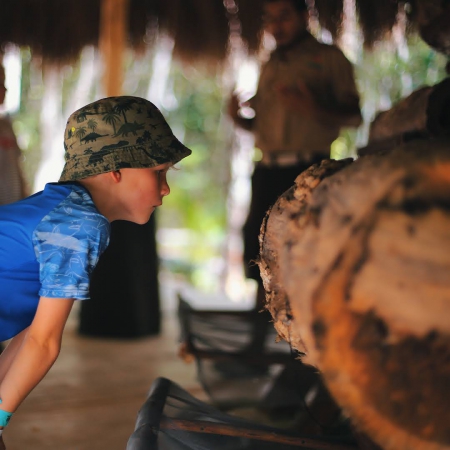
(90, 398)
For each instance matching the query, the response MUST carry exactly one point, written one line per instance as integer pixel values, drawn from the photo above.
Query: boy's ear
(115, 175)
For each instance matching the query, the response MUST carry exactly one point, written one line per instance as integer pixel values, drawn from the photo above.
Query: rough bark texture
(433, 20)
(425, 111)
(274, 237)
(365, 267)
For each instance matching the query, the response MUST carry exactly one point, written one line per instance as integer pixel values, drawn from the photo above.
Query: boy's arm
(9, 353)
(35, 352)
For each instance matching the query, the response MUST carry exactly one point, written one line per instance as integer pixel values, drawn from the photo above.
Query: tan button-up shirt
(327, 74)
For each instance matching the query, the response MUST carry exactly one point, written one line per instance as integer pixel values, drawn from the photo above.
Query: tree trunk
(425, 112)
(272, 240)
(361, 260)
(433, 19)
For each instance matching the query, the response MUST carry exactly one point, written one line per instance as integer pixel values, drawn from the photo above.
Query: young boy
(117, 153)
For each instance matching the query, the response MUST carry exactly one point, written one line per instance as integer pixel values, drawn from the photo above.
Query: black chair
(172, 419)
(239, 361)
(242, 367)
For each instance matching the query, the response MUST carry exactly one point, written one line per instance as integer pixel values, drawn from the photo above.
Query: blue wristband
(5, 416)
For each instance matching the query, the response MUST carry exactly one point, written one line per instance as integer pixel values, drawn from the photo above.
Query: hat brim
(133, 157)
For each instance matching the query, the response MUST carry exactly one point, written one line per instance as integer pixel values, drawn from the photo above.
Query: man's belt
(291, 159)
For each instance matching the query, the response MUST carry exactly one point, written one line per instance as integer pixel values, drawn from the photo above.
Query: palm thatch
(57, 30)
(378, 16)
(331, 15)
(199, 28)
(249, 16)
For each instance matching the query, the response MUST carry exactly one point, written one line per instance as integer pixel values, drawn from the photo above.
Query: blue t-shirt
(49, 245)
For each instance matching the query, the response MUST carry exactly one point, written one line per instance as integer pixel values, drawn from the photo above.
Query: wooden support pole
(112, 43)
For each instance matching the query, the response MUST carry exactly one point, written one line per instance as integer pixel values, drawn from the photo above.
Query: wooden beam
(112, 43)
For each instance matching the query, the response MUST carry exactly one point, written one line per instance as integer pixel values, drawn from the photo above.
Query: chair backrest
(213, 334)
(238, 357)
(173, 419)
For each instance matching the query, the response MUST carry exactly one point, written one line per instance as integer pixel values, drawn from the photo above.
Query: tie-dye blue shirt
(49, 245)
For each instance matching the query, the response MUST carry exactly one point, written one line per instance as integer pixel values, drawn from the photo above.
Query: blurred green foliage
(384, 76)
(199, 189)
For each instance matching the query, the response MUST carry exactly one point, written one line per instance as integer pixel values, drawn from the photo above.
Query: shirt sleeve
(68, 243)
(342, 78)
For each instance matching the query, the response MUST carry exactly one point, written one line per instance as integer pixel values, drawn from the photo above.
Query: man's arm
(33, 353)
(301, 101)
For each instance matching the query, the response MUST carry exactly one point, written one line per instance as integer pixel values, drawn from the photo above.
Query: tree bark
(433, 19)
(274, 237)
(425, 112)
(363, 266)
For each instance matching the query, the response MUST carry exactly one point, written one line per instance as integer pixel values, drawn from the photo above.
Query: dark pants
(124, 286)
(268, 183)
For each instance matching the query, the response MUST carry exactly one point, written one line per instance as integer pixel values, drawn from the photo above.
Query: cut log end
(360, 261)
(273, 239)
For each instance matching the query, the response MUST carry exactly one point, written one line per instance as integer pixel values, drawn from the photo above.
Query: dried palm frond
(199, 29)
(376, 19)
(57, 30)
(249, 13)
(330, 14)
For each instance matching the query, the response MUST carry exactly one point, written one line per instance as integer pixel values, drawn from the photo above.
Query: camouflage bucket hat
(116, 133)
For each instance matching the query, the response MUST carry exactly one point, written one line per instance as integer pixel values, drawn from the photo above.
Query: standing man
(306, 94)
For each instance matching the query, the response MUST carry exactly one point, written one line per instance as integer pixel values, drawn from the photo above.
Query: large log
(272, 240)
(425, 111)
(365, 266)
(433, 19)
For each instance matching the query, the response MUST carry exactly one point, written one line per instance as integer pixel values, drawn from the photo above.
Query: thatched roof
(58, 29)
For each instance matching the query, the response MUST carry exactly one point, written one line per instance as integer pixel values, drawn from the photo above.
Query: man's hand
(233, 108)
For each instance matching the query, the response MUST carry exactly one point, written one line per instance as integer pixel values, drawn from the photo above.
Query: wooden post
(113, 27)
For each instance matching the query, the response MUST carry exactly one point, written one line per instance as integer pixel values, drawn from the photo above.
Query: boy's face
(143, 191)
(283, 21)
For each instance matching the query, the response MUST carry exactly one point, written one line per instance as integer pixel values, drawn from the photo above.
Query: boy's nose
(165, 189)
